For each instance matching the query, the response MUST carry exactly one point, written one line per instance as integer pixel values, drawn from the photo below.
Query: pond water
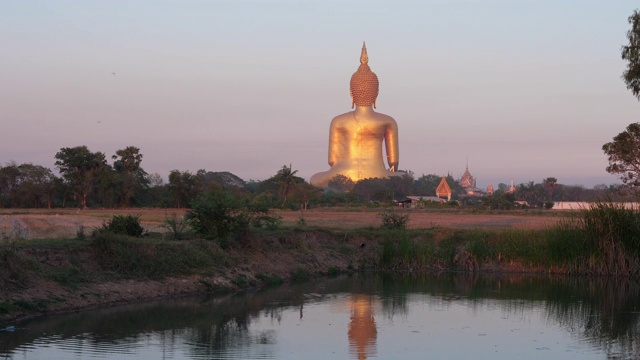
(379, 315)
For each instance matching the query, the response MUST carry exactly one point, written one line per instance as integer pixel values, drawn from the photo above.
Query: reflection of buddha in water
(355, 138)
(362, 328)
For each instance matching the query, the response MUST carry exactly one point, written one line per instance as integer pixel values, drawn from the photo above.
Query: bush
(123, 225)
(176, 226)
(218, 215)
(393, 220)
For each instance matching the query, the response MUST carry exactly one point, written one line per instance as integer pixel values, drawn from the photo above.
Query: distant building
(414, 201)
(443, 190)
(512, 188)
(490, 188)
(468, 182)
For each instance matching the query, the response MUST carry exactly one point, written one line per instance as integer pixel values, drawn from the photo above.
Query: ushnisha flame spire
(364, 82)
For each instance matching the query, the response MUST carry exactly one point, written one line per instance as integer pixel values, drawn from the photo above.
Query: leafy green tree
(287, 180)
(340, 184)
(532, 193)
(631, 54)
(550, 184)
(36, 186)
(107, 191)
(79, 167)
(9, 178)
(132, 178)
(372, 189)
(426, 185)
(499, 200)
(385, 189)
(305, 193)
(217, 214)
(624, 156)
(184, 187)
(158, 192)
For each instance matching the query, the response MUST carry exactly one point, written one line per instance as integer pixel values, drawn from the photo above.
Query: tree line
(88, 179)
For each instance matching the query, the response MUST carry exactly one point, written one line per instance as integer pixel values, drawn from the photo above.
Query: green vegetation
(122, 225)
(126, 257)
(631, 53)
(178, 227)
(88, 180)
(602, 241)
(220, 215)
(392, 219)
(623, 154)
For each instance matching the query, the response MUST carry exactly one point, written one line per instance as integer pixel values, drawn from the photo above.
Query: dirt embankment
(51, 280)
(71, 278)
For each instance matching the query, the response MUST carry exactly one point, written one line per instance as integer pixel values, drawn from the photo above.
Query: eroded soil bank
(39, 278)
(62, 274)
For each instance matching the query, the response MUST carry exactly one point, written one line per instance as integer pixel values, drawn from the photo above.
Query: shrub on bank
(391, 219)
(128, 225)
(220, 215)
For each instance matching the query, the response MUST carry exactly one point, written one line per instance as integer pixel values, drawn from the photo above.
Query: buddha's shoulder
(346, 117)
(384, 117)
(349, 116)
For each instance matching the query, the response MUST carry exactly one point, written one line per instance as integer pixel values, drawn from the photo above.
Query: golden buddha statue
(355, 138)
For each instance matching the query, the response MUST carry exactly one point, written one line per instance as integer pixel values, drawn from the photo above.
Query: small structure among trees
(443, 190)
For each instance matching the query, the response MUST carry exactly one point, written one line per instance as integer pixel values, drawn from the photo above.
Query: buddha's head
(364, 83)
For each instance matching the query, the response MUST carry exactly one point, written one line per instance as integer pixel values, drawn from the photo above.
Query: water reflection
(362, 327)
(380, 314)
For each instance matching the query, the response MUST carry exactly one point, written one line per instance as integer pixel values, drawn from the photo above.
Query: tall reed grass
(612, 231)
(601, 240)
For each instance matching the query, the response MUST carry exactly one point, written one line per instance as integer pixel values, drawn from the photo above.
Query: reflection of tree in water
(603, 311)
(229, 327)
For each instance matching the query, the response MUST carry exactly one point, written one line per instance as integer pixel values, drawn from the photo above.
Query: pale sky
(523, 89)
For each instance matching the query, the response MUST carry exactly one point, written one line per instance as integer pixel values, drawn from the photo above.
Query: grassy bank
(52, 275)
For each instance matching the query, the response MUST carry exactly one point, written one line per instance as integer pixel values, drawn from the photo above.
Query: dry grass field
(60, 223)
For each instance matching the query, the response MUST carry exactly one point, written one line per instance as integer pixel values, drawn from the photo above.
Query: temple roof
(467, 181)
(443, 189)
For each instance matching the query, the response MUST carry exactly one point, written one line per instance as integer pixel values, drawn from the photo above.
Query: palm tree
(287, 180)
(550, 184)
(132, 176)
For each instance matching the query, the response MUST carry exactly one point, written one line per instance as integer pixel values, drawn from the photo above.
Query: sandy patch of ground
(422, 219)
(65, 223)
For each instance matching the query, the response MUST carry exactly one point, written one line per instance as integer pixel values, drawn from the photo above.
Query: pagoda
(467, 181)
(512, 188)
